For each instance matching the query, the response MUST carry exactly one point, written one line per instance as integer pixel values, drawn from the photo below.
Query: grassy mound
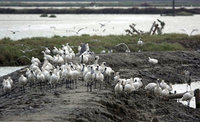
(16, 52)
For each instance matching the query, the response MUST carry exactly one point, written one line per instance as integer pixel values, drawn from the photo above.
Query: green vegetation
(11, 53)
(44, 15)
(183, 13)
(52, 16)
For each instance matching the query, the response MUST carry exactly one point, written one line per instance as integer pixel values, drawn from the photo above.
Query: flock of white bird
(59, 67)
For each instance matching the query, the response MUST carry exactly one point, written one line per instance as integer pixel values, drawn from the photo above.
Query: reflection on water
(7, 70)
(33, 25)
(180, 88)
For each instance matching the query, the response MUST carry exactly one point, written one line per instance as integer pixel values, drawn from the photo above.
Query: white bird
(55, 50)
(47, 56)
(47, 51)
(187, 78)
(22, 81)
(47, 75)
(75, 76)
(35, 60)
(96, 59)
(87, 47)
(99, 78)
(40, 78)
(137, 83)
(110, 51)
(31, 78)
(47, 66)
(10, 80)
(129, 87)
(84, 59)
(27, 50)
(14, 32)
(103, 52)
(54, 79)
(102, 24)
(165, 92)
(157, 90)
(116, 77)
(118, 88)
(163, 85)
(127, 51)
(189, 34)
(79, 49)
(169, 87)
(78, 30)
(153, 60)
(140, 42)
(89, 77)
(108, 73)
(150, 87)
(27, 72)
(6, 86)
(188, 96)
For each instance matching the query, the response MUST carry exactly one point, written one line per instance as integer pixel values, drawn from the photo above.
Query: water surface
(181, 88)
(27, 25)
(7, 70)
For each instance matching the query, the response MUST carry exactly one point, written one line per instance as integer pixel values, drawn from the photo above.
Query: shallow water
(7, 70)
(180, 88)
(27, 25)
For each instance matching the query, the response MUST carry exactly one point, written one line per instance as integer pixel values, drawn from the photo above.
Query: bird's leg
(69, 83)
(91, 87)
(87, 86)
(56, 85)
(73, 86)
(82, 81)
(99, 86)
(95, 83)
(188, 104)
(76, 83)
(65, 82)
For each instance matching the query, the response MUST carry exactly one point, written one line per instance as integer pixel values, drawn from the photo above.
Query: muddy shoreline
(81, 106)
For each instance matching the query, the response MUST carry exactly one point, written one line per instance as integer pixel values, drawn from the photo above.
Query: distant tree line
(97, 11)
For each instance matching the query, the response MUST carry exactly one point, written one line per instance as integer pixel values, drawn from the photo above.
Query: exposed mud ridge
(103, 106)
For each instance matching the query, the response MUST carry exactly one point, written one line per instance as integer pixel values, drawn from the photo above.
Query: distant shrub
(52, 16)
(44, 15)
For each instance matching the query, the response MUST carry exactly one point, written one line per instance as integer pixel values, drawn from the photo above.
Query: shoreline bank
(98, 11)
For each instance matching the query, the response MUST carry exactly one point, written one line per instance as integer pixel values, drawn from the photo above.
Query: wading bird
(189, 34)
(14, 32)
